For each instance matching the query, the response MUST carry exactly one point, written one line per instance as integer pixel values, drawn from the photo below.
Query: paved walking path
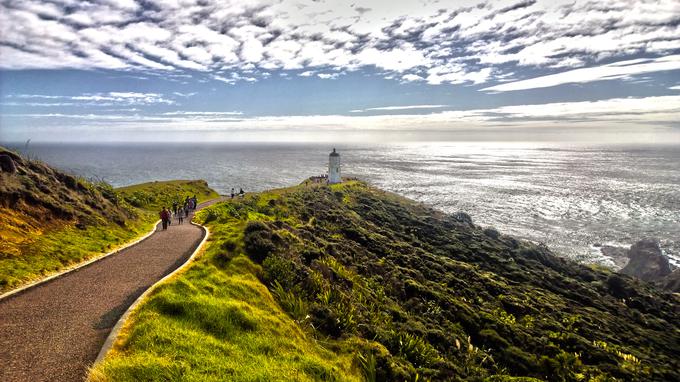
(54, 331)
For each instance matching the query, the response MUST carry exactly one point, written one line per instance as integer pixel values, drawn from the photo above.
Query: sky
(334, 70)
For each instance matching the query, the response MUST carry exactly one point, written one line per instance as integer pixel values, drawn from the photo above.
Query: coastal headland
(348, 282)
(339, 282)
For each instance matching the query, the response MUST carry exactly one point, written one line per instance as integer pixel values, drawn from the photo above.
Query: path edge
(115, 331)
(75, 267)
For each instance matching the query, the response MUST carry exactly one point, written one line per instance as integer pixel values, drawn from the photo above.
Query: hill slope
(50, 219)
(409, 292)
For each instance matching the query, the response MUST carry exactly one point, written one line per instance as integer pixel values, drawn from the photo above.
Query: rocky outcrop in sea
(647, 261)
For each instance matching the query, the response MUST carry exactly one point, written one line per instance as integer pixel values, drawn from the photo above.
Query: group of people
(240, 192)
(323, 178)
(179, 211)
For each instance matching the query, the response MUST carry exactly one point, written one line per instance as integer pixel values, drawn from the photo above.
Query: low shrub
(294, 305)
(258, 242)
(492, 233)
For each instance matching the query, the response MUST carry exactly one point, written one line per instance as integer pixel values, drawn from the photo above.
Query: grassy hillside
(220, 323)
(50, 220)
(396, 291)
(156, 195)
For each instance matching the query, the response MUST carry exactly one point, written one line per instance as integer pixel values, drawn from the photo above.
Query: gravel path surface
(53, 332)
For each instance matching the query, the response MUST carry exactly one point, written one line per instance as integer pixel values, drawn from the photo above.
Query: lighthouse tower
(334, 168)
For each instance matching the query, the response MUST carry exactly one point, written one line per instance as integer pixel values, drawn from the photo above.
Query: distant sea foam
(568, 197)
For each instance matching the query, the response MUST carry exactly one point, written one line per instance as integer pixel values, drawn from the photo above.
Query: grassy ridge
(155, 195)
(50, 220)
(398, 292)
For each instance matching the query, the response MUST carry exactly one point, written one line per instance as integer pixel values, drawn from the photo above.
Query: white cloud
(35, 96)
(412, 77)
(169, 56)
(457, 74)
(617, 70)
(407, 107)
(130, 5)
(125, 97)
(41, 104)
(94, 99)
(91, 117)
(226, 80)
(328, 76)
(41, 9)
(652, 118)
(469, 42)
(204, 113)
(609, 107)
(397, 59)
(633, 113)
(138, 59)
(180, 94)
(252, 50)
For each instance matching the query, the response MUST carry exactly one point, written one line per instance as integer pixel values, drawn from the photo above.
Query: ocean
(572, 198)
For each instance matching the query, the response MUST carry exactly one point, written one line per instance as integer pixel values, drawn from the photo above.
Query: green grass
(156, 195)
(56, 250)
(217, 324)
(325, 283)
(66, 245)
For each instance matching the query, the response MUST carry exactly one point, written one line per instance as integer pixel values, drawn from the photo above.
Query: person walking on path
(180, 216)
(165, 217)
(232, 192)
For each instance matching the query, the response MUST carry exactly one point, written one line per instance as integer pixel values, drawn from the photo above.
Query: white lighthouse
(334, 168)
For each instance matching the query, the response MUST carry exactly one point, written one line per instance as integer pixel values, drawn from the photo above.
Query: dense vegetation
(50, 220)
(407, 292)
